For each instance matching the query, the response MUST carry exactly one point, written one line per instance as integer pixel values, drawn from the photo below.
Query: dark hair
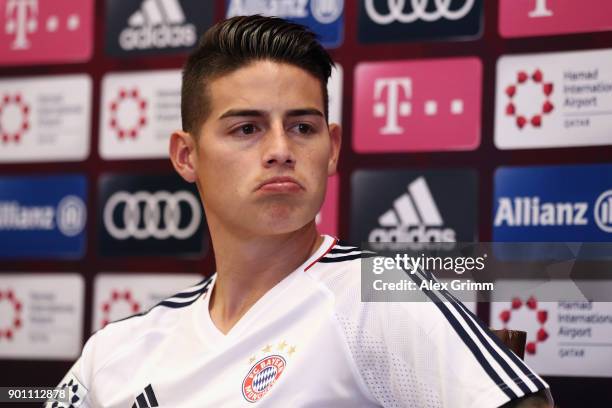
(235, 43)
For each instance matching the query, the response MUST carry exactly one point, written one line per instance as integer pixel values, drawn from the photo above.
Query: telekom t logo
(21, 20)
(417, 105)
(527, 18)
(397, 106)
(392, 107)
(541, 9)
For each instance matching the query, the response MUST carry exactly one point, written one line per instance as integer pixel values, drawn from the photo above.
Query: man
(280, 323)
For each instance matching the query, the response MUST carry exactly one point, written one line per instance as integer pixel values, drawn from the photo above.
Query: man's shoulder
(340, 267)
(346, 268)
(342, 257)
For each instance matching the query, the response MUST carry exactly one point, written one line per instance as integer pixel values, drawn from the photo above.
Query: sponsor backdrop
(462, 120)
(145, 214)
(119, 295)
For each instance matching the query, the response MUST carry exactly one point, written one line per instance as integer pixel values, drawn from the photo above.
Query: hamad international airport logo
(10, 314)
(14, 117)
(128, 113)
(541, 315)
(119, 304)
(537, 101)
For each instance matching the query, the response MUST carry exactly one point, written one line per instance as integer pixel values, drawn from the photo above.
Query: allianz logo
(533, 211)
(158, 24)
(69, 216)
(323, 11)
(414, 218)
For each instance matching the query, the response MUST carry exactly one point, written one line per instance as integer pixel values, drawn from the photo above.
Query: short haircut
(239, 41)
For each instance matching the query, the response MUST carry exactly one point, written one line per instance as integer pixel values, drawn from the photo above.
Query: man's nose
(277, 148)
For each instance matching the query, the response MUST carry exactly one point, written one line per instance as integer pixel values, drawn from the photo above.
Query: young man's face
(264, 153)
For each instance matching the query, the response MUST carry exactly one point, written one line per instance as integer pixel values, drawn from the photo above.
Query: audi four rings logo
(152, 215)
(418, 11)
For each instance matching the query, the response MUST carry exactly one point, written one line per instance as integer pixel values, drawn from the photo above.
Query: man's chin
(280, 223)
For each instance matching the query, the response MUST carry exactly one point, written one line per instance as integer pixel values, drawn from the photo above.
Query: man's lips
(280, 185)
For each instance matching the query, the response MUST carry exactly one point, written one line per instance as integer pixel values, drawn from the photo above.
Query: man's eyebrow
(242, 112)
(258, 113)
(305, 112)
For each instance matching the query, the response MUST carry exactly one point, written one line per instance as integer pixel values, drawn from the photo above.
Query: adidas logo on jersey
(413, 218)
(147, 399)
(158, 24)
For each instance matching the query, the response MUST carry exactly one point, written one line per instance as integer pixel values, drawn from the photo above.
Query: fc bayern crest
(262, 377)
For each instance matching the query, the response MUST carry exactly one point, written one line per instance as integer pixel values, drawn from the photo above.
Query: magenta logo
(425, 105)
(36, 31)
(521, 18)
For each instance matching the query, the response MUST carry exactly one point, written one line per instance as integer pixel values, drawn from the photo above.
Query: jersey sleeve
(77, 381)
(428, 353)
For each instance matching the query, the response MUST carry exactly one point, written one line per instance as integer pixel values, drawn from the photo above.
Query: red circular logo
(14, 322)
(21, 110)
(540, 314)
(522, 79)
(134, 117)
(116, 297)
(262, 377)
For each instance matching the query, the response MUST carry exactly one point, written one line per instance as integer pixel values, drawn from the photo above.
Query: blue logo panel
(553, 204)
(43, 216)
(324, 17)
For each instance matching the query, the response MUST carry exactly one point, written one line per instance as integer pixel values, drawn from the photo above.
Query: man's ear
(183, 155)
(335, 137)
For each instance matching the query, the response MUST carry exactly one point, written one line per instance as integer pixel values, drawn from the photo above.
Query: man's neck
(247, 268)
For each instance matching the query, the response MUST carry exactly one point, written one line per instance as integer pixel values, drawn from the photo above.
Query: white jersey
(308, 342)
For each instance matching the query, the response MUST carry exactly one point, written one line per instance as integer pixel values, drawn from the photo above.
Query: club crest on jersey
(262, 377)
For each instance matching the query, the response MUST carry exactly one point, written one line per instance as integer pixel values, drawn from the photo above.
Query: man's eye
(247, 129)
(304, 128)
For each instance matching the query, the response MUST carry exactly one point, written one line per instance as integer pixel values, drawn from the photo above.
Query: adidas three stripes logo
(146, 399)
(413, 208)
(153, 12)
